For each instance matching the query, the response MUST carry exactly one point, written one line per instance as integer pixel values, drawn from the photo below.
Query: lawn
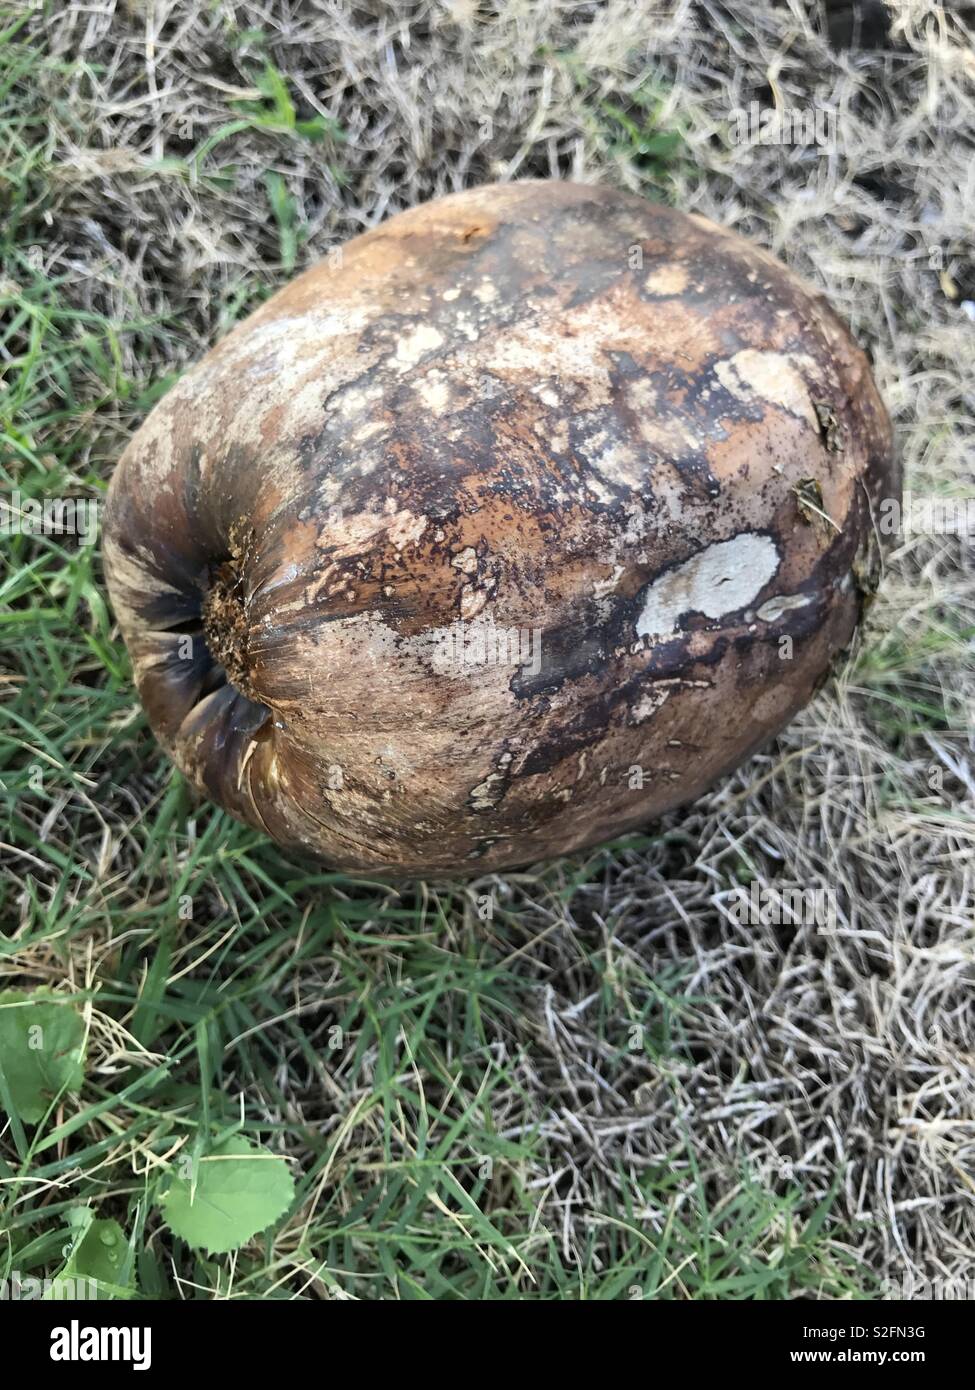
(228, 1073)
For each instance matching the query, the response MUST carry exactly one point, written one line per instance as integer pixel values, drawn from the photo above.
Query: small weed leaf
(236, 1192)
(41, 1052)
(277, 111)
(99, 1254)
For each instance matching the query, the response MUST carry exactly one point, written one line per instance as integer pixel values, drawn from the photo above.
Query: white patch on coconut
(291, 337)
(646, 707)
(548, 397)
(553, 433)
(403, 527)
(473, 600)
(773, 608)
(434, 392)
(285, 367)
(476, 649)
(724, 578)
(571, 347)
(362, 530)
(365, 637)
(773, 376)
(466, 560)
(465, 324)
(598, 489)
(369, 431)
(637, 524)
(669, 279)
(619, 463)
(347, 403)
(412, 347)
(486, 292)
(601, 587)
(692, 438)
(453, 293)
(486, 795)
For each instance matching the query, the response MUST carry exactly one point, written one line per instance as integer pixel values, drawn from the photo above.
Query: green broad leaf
(233, 1193)
(98, 1253)
(41, 1052)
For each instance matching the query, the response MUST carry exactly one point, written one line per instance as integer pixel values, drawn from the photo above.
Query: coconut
(513, 524)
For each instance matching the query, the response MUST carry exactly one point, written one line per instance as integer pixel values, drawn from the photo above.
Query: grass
(372, 1036)
(417, 1192)
(579, 1082)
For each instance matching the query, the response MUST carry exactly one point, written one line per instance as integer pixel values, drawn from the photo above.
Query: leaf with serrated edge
(239, 1191)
